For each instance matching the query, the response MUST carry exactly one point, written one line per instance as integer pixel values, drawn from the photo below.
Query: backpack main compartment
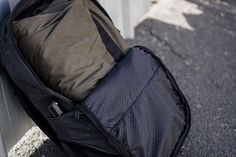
(136, 110)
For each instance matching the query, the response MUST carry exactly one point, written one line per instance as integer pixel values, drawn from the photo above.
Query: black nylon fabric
(114, 95)
(137, 110)
(138, 105)
(62, 130)
(153, 121)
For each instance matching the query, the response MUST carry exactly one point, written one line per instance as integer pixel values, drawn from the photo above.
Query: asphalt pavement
(196, 40)
(202, 57)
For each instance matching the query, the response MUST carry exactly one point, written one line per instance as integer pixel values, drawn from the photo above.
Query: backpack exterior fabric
(136, 110)
(69, 60)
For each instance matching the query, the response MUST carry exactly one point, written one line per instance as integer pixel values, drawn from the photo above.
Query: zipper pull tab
(55, 109)
(77, 112)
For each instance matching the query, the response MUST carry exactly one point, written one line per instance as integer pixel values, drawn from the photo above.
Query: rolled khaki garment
(63, 45)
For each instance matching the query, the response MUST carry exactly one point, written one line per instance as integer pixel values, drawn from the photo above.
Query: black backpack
(137, 110)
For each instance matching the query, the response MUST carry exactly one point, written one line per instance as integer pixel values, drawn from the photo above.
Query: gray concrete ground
(200, 50)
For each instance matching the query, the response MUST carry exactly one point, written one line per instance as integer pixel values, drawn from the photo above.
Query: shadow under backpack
(133, 108)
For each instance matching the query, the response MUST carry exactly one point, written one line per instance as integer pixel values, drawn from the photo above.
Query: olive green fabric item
(64, 47)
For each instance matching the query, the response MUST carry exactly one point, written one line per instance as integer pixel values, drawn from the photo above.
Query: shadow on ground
(48, 149)
(203, 60)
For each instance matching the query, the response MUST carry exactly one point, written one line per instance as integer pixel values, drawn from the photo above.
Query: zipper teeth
(23, 2)
(188, 112)
(36, 77)
(58, 95)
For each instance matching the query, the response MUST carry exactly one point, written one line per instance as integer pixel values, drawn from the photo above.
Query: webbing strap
(111, 46)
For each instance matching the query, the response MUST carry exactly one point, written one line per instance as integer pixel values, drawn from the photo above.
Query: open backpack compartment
(121, 102)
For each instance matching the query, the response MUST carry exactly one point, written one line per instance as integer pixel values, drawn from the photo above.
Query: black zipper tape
(183, 99)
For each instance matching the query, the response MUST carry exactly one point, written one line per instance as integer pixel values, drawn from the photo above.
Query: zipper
(10, 37)
(12, 42)
(78, 112)
(187, 108)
